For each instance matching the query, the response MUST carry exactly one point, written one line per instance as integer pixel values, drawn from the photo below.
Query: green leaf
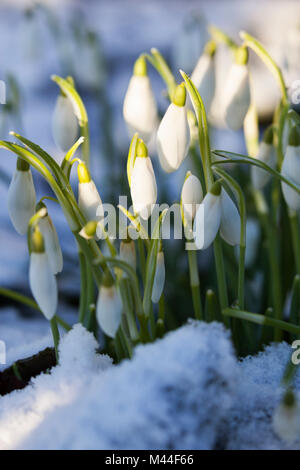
(232, 157)
(212, 309)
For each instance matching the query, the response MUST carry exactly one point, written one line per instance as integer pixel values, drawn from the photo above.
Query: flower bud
(208, 218)
(236, 97)
(191, 197)
(267, 155)
(128, 253)
(89, 230)
(204, 75)
(230, 224)
(64, 123)
(52, 245)
(143, 184)
(109, 308)
(291, 169)
(21, 197)
(286, 419)
(173, 135)
(139, 109)
(89, 200)
(41, 278)
(159, 278)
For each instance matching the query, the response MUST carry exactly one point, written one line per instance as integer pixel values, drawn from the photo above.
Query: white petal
(291, 169)
(204, 78)
(128, 254)
(90, 201)
(230, 227)
(159, 278)
(139, 109)
(43, 284)
(191, 196)
(286, 422)
(266, 154)
(207, 221)
(173, 138)
(143, 187)
(236, 96)
(64, 124)
(109, 310)
(52, 245)
(21, 200)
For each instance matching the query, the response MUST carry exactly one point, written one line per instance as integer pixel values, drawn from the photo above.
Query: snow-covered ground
(186, 391)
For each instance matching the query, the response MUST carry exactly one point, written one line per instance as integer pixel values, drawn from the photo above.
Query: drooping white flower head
(286, 419)
(266, 154)
(217, 211)
(109, 308)
(143, 183)
(291, 170)
(64, 124)
(139, 108)
(21, 197)
(236, 93)
(191, 197)
(208, 218)
(204, 75)
(128, 253)
(159, 278)
(230, 223)
(41, 278)
(89, 199)
(173, 135)
(51, 240)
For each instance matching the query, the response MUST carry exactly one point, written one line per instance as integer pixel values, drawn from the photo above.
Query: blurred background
(97, 41)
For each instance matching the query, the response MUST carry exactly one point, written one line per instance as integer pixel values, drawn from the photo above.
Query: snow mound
(249, 424)
(172, 395)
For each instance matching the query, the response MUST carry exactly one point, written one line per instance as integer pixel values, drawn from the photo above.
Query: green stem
(125, 294)
(23, 299)
(55, 334)
(195, 284)
(159, 63)
(142, 258)
(262, 320)
(257, 47)
(221, 37)
(294, 223)
(83, 287)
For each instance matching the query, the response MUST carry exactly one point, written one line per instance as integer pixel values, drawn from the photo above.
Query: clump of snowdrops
(128, 302)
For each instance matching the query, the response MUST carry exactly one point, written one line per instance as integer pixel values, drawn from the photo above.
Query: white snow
(186, 391)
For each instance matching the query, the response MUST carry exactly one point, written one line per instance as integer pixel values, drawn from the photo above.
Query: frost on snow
(186, 391)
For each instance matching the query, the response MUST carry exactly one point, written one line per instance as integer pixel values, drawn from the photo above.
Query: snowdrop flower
(89, 230)
(143, 184)
(139, 109)
(208, 218)
(159, 278)
(173, 135)
(204, 75)
(21, 197)
(236, 95)
(266, 154)
(217, 211)
(128, 253)
(109, 307)
(191, 197)
(41, 278)
(286, 419)
(291, 169)
(52, 245)
(64, 123)
(89, 200)
(230, 224)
